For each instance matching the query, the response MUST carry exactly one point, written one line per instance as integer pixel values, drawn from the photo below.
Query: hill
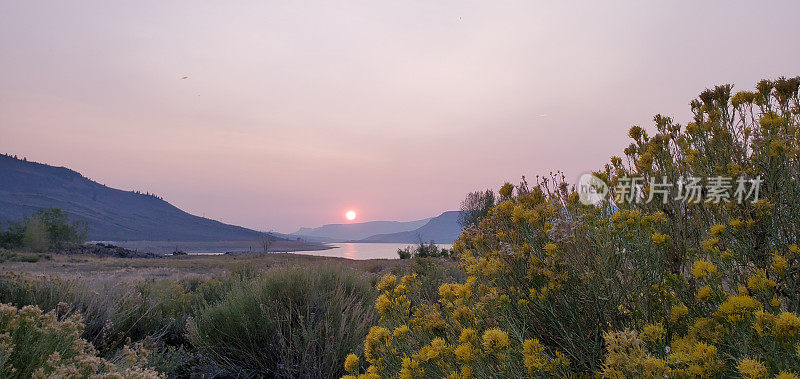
(440, 229)
(112, 214)
(357, 231)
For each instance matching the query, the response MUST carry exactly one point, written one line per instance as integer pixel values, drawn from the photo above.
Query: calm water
(364, 250)
(342, 250)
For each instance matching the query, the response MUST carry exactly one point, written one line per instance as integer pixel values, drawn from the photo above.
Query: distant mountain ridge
(359, 230)
(440, 229)
(112, 214)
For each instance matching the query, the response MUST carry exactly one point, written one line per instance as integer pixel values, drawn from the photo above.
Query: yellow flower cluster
(627, 357)
(691, 358)
(704, 269)
(653, 333)
(387, 282)
(752, 369)
(465, 353)
(678, 313)
(704, 293)
(759, 282)
(416, 347)
(538, 363)
(351, 363)
(394, 299)
(779, 263)
(737, 308)
(377, 343)
(495, 340)
(660, 239)
(787, 326)
(400, 332)
(716, 230)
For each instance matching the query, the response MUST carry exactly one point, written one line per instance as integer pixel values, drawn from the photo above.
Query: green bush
(294, 322)
(405, 253)
(21, 257)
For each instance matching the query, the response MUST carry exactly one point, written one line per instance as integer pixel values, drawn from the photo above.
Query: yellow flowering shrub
(787, 326)
(40, 345)
(704, 269)
(628, 357)
(351, 363)
(555, 287)
(705, 293)
(495, 340)
(752, 369)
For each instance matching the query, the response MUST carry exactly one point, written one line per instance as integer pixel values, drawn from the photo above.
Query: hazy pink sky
(295, 112)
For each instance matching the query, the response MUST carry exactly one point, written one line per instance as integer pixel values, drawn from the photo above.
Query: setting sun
(350, 215)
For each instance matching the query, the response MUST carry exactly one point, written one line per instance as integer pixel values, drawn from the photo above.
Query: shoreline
(166, 248)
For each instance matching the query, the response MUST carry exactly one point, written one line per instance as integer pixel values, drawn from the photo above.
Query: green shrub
(36, 237)
(405, 253)
(21, 257)
(288, 322)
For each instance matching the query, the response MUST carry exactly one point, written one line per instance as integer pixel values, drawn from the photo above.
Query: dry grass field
(179, 267)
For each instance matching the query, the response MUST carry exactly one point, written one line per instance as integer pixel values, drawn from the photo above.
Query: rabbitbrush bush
(558, 288)
(40, 345)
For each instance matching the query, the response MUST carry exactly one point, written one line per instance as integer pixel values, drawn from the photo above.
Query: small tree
(13, 236)
(265, 240)
(475, 207)
(405, 253)
(81, 229)
(36, 236)
(56, 225)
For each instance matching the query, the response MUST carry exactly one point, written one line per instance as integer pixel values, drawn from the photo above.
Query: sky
(292, 113)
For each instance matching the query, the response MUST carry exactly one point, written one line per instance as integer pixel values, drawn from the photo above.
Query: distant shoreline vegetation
(45, 230)
(424, 250)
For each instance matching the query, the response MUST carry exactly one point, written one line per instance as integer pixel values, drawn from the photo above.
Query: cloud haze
(293, 113)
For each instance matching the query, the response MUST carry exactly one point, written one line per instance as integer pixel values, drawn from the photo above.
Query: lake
(364, 250)
(341, 250)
